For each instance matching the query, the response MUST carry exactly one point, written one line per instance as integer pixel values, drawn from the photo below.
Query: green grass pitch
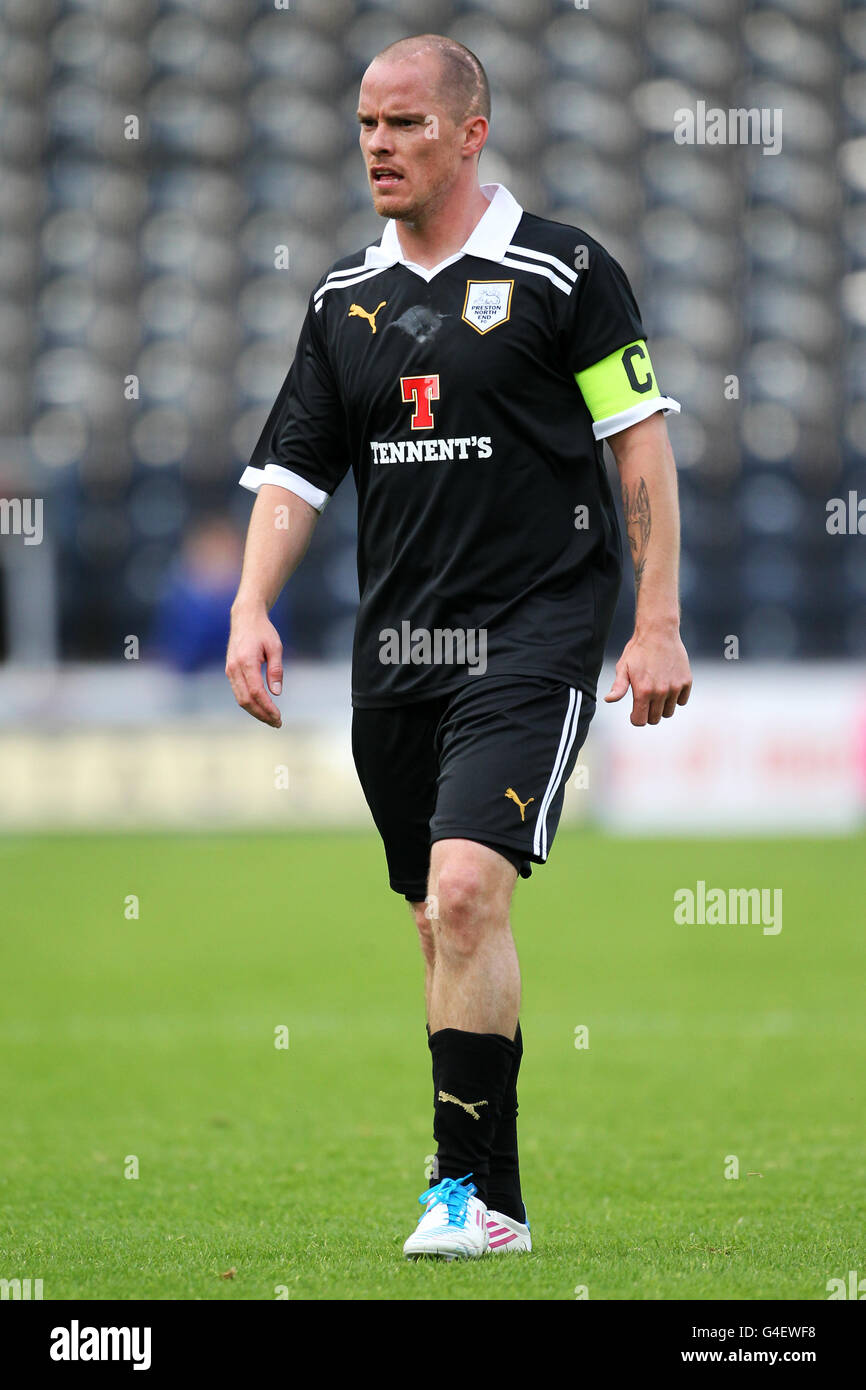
(299, 1168)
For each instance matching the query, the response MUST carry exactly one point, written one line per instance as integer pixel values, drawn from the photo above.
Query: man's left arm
(654, 663)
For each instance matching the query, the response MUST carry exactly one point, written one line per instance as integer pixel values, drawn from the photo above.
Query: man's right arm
(279, 532)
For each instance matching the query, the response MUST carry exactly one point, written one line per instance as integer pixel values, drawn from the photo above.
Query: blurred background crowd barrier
(175, 175)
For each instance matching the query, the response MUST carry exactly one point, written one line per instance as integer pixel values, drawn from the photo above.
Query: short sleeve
(304, 444)
(602, 311)
(605, 348)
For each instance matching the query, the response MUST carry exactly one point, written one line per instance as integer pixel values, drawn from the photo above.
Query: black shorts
(488, 762)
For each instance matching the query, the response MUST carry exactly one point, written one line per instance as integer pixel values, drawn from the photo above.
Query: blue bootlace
(454, 1194)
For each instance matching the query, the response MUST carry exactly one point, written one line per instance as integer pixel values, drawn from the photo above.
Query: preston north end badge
(488, 303)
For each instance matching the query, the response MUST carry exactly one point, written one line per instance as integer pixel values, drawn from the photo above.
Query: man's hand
(656, 666)
(254, 641)
(279, 532)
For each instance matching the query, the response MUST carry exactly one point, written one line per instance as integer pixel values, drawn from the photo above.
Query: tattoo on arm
(638, 522)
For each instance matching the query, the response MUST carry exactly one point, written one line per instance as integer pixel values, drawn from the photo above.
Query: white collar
(489, 239)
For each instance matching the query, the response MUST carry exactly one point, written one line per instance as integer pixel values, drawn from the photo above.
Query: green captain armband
(622, 389)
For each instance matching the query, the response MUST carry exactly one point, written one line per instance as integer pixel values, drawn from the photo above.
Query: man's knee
(462, 893)
(470, 892)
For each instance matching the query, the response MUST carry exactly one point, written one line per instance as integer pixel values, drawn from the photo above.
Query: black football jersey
(470, 401)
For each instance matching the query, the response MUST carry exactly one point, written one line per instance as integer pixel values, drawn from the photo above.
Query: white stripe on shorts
(566, 741)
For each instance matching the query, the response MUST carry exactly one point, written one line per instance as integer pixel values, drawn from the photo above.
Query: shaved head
(463, 87)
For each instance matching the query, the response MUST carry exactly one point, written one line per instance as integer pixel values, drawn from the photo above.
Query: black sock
(470, 1076)
(503, 1184)
(503, 1187)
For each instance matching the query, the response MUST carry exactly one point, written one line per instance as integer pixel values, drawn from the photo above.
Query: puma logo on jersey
(512, 796)
(471, 1107)
(356, 312)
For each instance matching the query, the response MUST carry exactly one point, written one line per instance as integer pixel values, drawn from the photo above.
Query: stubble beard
(421, 210)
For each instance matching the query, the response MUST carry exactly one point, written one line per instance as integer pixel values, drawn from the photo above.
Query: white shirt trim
(351, 277)
(563, 269)
(538, 270)
(614, 423)
(254, 478)
(489, 239)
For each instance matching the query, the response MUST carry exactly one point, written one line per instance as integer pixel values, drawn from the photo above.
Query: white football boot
(505, 1234)
(453, 1226)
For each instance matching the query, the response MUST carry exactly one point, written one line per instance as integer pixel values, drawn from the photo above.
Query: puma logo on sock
(468, 1106)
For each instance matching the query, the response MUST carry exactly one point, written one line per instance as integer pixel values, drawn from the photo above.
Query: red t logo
(421, 390)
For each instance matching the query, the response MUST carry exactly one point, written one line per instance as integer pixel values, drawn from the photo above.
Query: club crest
(488, 303)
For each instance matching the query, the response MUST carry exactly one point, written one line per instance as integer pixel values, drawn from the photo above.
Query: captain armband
(621, 389)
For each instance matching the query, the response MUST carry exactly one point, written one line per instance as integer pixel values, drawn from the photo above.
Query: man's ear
(475, 135)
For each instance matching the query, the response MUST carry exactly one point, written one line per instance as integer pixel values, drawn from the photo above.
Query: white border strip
(569, 733)
(543, 256)
(538, 270)
(331, 284)
(341, 274)
(254, 478)
(602, 428)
